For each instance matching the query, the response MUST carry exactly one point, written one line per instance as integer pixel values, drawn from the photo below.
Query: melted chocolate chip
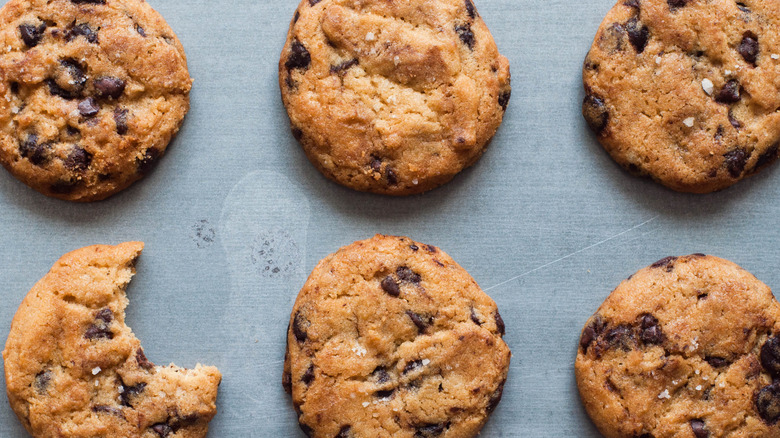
(42, 380)
(767, 403)
(63, 187)
(31, 34)
(632, 3)
(162, 429)
(69, 80)
(651, 330)
(385, 393)
(430, 430)
(612, 39)
(109, 87)
(595, 112)
(470, 9)
(733, 120)
(466, 35)
(770, 355)
(89, 107)
(591, 332)
(390, 286)
(84, 30)
(380, 375)
(299, 326)
(495, 398)
(717, 362)
(108, 410)
(431, 249)
(621, 337)
(414, 247)
(674, 5)
(768, 157)
(140, 30)
(413, 365)
(474, 317)
(729, 93)
(392, 177)
(130, 392)
(344, 66)
(749, 48)
(503, 99)
(120, 119)
(146, 164)
(699, 429)
(308, 376)
(499, 323)
(100, 329)
(33, 151)
(105, 315)
(299, 57)
(638, 34)
(743, 7)
(15, 87)
(314, 2)
(143, 362)
(345, 432)
(407, 275)
(421, 321)
(667, 263)
(735, 162)
(78, 160)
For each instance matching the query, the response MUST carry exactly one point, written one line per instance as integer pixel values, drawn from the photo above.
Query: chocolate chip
(42, 380)
(729, 93)
(33, 151)
(146, 164)
(69, 80)
(735, 162)
(287, 382)
(385, 393)
(109, 87)
(474, 317)
(15, 87)
(638, 34)
(716, 362)
(78, 160)
(344, 66)
(499, 323)
(674, 5)
(733, 120)
(632, 3)
(466, 35)
(131, 392)
(31, 34)
(743, 7)
(767, 403)
(100, 329)
(140, 30)
(308, 376)
(84, 30)
(595, 112)
(749, 48)
(591, 332)
(380, 375)
(308, 431)
(108, 410)
(390, 286)
(392, 177)
(143, 362)
(63, 187)
(299, 326)
(345, 432)
(407, 275)
(314, 2)
(430, 430)
(89, 107)
(414, 247)
(162, 429)
(651, 331)
(88, 2)
(503, 99)
(105, 315)
(413, 365)
(667, 263)
(470, 9)
(299, 57)
(621, 337)
(613, 38)
(120, 119)
(421, 321)
(767, 157)
(699, 429)
(296, 17)
(770, 355)
(495, 398)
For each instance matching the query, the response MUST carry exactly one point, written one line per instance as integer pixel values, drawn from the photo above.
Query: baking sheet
(546, 223)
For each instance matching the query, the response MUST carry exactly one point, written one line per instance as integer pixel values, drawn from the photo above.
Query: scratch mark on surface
(574, 253)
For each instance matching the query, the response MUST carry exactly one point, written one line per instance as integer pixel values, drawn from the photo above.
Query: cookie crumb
(707, 86)
(689, 122)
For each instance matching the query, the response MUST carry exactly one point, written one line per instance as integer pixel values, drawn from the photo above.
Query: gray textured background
(545, 222)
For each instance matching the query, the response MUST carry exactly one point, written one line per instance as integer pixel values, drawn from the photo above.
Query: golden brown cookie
(391, 338)
(687, 91)
(74, 369)
(392, 97)
(686, 348)
(91, 93)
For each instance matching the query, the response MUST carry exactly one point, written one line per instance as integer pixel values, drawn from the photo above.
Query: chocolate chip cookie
(91, 93)
(392, 97)
(391, 338)
(689, 348)
(74, 369)
(687, 91)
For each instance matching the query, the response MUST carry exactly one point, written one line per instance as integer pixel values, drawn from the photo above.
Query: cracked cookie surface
(688, 347)
(392, 97)
(687, 91)
(391, 338)
(74, 369)
(91, 93)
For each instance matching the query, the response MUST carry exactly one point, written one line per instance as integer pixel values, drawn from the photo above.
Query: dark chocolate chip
(390, 286)
(499, 323)
(749, 48)
(32, 150)
(299, 326)
(430, 430)
(89, 107)
(407, 275)
(69, 81)
(495, 398)
(78, 160)
(63, 187)
(392, 177)
(474, 317)
(131, 392)
(296, 17)
(613, 38)
(733, 120)
(345, 432)
(42, 380)
(414, 247)
(15, 87)
(413, 365)
(651, 330)
(143, 362)
(344, 66)
(108, 410)
(667, 262)
(105, 315)
(146, 164)
(162, 429)
(470, 9)
(729, 93)
(767, 403)
(140, 30)
(84, 30)
(421, 321)
(385, 393)
(770, 355)
(699, 429)
(466, 35)
(768, 157)
(621, 337)
(638, 34)
(595, 112)
(120, 119)
(380, 375)
(375, 164)
(31, 34)
(100, 329)
(590, 333)
(674, 5)
(109, 87)
(717, 362)
(314, 2)
(735, 162)
(503, 99)
(308, 376)
(299, 57)
(632, 3)
(743, 7)
(431, 249)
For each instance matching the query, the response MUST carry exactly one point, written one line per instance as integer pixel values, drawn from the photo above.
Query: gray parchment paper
(545, 222)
